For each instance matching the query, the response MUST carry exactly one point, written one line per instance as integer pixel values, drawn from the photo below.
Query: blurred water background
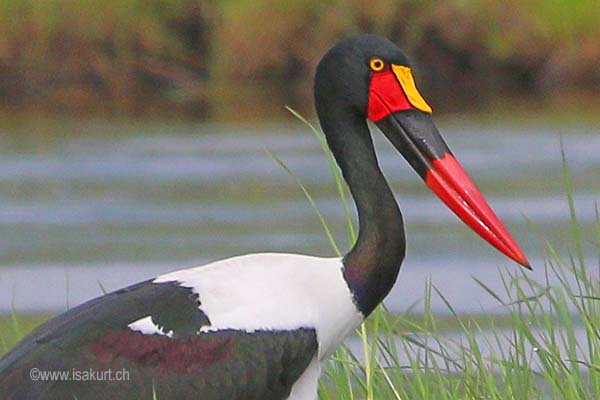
(122, 203)
(133, 136)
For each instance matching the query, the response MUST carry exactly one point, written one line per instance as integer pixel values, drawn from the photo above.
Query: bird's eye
(376, 64)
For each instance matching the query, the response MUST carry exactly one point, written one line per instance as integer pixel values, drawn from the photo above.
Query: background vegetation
(232, 59)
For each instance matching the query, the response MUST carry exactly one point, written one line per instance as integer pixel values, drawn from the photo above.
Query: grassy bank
(233, 59)
(548, 346)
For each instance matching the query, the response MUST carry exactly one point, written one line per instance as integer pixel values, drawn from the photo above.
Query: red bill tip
(448, 180)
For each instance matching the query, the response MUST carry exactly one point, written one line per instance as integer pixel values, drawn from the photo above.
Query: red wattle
(385, 96)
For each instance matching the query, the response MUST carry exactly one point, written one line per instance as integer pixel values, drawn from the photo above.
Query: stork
(259, 326)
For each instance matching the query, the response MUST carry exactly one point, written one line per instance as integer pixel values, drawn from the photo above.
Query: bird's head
(369, 77)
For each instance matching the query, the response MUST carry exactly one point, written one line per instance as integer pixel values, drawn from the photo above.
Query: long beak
(413, 133)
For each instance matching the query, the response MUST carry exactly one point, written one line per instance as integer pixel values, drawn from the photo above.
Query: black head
(345, 73)
(368, 77)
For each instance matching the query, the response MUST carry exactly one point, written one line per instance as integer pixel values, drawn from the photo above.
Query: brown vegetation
(231, 58)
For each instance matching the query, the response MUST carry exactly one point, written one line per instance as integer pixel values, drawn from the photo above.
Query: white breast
(273, 291)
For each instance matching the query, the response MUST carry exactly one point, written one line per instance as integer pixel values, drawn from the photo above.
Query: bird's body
(225, 327)
(258, 326)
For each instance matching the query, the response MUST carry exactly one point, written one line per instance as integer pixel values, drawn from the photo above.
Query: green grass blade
(310, 200)
(339, 182)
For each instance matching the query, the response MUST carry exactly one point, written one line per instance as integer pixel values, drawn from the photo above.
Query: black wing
(89, 352)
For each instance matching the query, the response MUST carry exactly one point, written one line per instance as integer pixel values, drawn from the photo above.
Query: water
(83, 211)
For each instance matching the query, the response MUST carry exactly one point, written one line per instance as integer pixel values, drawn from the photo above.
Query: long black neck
(372, 266)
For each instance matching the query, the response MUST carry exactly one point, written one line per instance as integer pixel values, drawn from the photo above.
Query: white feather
(147, 327)
(272, 291)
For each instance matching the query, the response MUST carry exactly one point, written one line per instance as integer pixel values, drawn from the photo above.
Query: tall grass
(545, 346)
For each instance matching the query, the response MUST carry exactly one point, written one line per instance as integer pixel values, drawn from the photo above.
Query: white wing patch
(272, 291)
(147, 327)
